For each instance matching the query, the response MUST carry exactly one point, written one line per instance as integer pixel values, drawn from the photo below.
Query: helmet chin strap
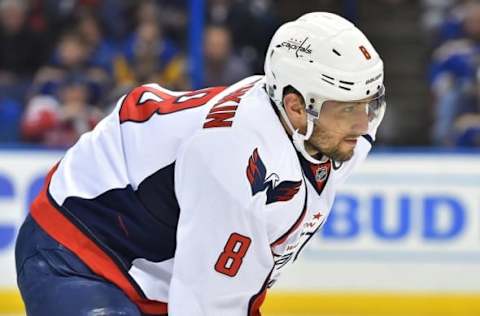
(300, 139)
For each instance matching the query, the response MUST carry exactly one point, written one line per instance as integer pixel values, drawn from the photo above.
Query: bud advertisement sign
(401, 222)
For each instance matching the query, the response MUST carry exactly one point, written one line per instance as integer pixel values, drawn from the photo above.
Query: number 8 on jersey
(231, 258)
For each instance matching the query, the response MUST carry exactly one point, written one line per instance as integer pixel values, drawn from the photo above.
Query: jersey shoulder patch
(276, 190)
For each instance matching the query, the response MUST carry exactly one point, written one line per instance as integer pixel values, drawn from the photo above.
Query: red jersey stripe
(257, 303)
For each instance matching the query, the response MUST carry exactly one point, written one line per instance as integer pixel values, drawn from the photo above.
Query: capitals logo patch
(277, 191)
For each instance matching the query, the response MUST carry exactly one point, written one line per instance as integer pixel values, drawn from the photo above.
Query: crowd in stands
(63, 64)
(454, 71)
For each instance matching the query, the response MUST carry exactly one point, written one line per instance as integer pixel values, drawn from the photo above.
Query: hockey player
(192, 203)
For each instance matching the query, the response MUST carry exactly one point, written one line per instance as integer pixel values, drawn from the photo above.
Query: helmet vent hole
(328, 77)
(312, 100)
(347, 82)
(368, 92)
(345, 88)
(274, 87)
(336, 52)
(311, 61)
(328, 81)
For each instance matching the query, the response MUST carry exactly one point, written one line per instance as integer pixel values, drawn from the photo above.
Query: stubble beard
(320, 144)
(339, 155)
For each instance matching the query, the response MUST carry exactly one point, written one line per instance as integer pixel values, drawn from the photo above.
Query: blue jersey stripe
(132, 224)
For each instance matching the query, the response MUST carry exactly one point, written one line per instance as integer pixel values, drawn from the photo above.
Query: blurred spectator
(101, 50)
(467, 130)
(59, 122)
(252, 24)
(174, 17)
(60, 13)
(147, 11)
(55, 16)
(150, 57)
(443, 20)
(72, 57)
(436, 13)
(113, 14)
(455, 77)
(21, 50)
(222, 67)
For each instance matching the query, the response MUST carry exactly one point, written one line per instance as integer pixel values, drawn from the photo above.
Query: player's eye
(349, 108)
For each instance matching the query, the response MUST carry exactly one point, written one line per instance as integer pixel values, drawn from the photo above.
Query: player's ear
(295, 109)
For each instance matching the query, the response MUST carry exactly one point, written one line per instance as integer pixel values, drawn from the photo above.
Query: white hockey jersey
(191, 203)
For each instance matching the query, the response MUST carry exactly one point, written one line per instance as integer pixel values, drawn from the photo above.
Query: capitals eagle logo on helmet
(276, 191)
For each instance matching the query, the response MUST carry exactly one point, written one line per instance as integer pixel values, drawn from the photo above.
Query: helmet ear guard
(324, 57)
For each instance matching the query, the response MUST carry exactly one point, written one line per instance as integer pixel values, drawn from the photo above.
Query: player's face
(338, 129)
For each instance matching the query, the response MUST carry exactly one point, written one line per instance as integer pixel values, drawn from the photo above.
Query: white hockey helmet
(324, 57)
